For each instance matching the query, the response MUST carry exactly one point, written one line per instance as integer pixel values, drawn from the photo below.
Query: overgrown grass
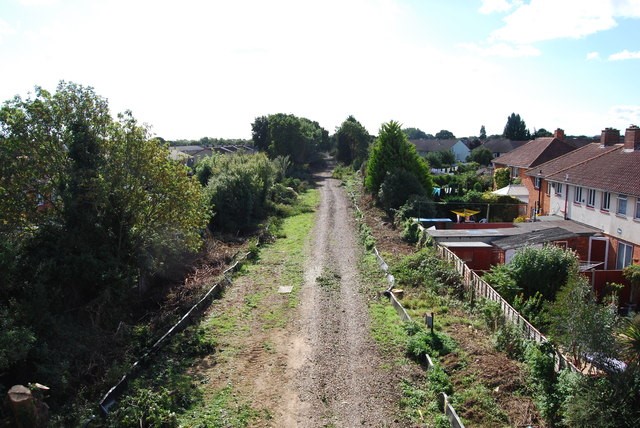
(167, 394)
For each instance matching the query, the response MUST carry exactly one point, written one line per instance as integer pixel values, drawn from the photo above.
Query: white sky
(193, 68)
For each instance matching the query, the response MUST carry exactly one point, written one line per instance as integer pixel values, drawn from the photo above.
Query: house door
(598, 250)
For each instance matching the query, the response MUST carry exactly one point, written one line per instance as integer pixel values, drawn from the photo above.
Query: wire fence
(111, 397)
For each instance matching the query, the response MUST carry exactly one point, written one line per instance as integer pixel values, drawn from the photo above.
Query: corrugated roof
(535, 237)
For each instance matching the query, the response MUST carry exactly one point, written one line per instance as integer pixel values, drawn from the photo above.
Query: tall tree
(352, 142)
(392, 151)
(516, 128)
(260, 132)
(483, 133)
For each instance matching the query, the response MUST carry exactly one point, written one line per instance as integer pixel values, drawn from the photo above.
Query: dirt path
(319, 367)
(341, 382)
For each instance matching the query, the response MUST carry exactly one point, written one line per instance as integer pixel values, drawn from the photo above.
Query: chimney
(559, 134)
(609, 137)
(632, 138)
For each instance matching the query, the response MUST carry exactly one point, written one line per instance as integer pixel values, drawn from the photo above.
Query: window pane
(606, 201)
(637, 215)
(624, 255)
(622, 205)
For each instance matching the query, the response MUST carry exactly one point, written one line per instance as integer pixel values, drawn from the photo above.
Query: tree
(260, 133)
(516, 128)
(541, 133)
(581, 325)
(352, 142)
(483, 133)
(445, 135)
(416, 134)
(287, 135)
(481, 155)
(502, 177)
(392, 151)
(114, 201)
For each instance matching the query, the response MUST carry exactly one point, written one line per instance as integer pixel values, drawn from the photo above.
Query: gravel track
(341, 381)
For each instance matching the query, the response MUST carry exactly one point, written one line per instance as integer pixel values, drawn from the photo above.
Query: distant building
(458, 147)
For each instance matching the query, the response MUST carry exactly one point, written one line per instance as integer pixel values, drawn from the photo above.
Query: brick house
(598, 185)
(527, 158)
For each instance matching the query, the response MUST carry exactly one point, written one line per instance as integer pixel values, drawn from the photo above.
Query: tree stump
(23, 407)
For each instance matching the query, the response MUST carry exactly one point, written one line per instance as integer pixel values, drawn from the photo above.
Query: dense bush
(396, 189)
(238, 189)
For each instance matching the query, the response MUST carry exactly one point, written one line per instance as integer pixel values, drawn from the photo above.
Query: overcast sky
(196, 68)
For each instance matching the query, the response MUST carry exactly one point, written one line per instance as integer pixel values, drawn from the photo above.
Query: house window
(591, 198)
(559, 189)
(622, 205)
(606, 201)
(548, 189)
(577, 196)
(537, 182)
(624, 255)
(637, 214)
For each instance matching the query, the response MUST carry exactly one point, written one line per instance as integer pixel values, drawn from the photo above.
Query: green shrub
(410, 231)
(509, 340)
(396, 189)
(491, 314)
(438, 381)
(280, 194)
(147, 408)
(434, 344)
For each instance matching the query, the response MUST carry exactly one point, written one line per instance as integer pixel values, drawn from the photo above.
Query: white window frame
(606, 201)
(636, 216)
(624, 256)
(591, 198)
(548, 188)
(577, 195)
(559, 189)
(621, 207)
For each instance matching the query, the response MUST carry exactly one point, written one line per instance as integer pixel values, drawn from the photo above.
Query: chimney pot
(559, 134)
(609, 137)
(632, 138)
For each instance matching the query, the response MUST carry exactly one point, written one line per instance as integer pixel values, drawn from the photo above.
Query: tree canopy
(287, 135)
(481, 155)
(392, 151)
(516, 128)
(445, 135)
(483, 133)
(352, 142)
(417, 134)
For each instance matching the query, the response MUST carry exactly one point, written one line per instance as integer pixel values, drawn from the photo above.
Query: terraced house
(598, 185)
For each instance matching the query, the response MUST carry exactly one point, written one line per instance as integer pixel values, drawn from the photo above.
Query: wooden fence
(478, 288)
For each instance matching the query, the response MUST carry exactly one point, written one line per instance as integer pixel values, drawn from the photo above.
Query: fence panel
(481, 288)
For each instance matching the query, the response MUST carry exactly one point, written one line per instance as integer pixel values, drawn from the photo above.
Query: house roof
(535, 152)
(502, 145)
(608, 168)
(434, 145)
(573, 158)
